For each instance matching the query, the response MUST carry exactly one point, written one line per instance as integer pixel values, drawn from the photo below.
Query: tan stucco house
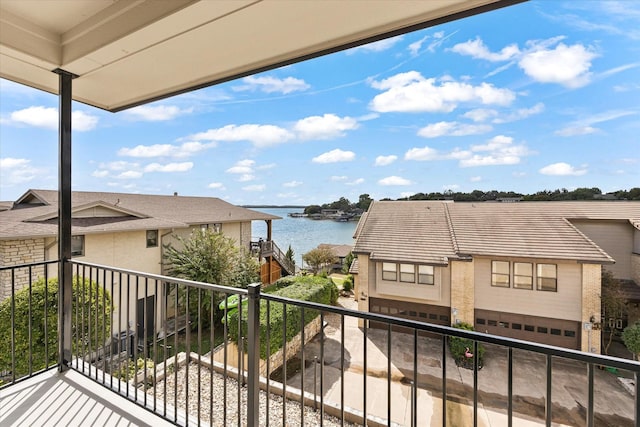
(120, 230)
(528, 270)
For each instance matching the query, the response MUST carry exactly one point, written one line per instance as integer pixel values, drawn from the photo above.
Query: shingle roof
(428, 231)
(35, 212)
(406, 231)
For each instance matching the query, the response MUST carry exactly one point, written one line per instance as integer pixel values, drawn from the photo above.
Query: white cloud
(385, 160)
(435, 130)
(425, 153)
(356, 181)
(411, 92)
(480, 114)
(246, 177)
(562, 169)
(414, 48)
(406, 194)
(477, 49)
(378, 46)
(584, 126)
(327, 126)
(256, 187)
(100, 173)
(520, 114)
(15, 171)
(186, 149)
(242, 167)
(565, 65)
(47, 118)
(394, 180)
(258, 135)
(499, 150)
(130, 175)
(270, 84)
(216, 186)
(156, 113)
(576, 131)
(335, 156)
(338, 178)
(292, 184)
(475, 178)
(169, 167)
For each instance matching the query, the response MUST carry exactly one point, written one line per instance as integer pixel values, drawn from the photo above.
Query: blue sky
(541, 95)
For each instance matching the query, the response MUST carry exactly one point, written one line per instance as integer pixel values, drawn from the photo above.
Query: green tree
(364, 201)
(290, 255)
(631, 339)
(209, 257)
(87, 296)
(348, 260)
(313, 209)
(318, 258)
(614, 306)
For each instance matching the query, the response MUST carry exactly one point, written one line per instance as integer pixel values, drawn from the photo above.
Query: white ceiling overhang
(130, 52)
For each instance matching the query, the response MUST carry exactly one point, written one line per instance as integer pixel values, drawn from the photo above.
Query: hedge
(87, 297)
(458, 347)
(304, 288)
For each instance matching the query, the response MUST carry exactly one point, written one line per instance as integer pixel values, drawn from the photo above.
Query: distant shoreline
(273, 206)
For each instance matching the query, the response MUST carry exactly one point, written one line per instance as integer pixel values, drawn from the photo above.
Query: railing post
(253, 356)
(65, 281)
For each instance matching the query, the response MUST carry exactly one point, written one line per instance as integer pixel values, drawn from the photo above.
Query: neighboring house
(340, 251)
(528, 270)
(119, 230)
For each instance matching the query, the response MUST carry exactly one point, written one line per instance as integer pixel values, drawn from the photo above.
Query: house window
(77, 245)
(152, 238)
(547, 277)
(523, 275)
(408, 273)
(425, 274)
(500, 274)
(217, 227)
(389, 271)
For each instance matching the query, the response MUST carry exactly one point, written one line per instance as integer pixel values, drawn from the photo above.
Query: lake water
(303, 234)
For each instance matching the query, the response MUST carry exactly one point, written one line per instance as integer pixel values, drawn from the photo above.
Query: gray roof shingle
(34, 213)
(434, 231)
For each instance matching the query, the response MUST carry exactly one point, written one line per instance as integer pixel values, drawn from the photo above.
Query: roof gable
(97, 209)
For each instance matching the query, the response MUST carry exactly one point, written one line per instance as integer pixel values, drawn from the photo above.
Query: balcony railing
(157, 341)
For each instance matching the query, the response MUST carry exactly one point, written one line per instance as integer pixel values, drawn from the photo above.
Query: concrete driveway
(614, 405)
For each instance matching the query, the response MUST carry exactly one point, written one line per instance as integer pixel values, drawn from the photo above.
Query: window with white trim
(152, 238)
(426, 274)
(408, 273)
(523, 275)
(547, 277)
(500, 274)
(389, 271)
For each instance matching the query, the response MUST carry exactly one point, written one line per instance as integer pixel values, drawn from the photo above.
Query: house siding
(563, 304)
(615, 238)
(591, 290)
(462, 291)
(635, 268)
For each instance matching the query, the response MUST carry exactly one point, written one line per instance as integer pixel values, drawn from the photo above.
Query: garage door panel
(435, 314)
(544, 330)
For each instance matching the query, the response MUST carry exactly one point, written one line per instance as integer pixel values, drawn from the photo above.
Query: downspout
(65, 280)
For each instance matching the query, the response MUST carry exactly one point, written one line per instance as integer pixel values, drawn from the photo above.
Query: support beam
(65, 280)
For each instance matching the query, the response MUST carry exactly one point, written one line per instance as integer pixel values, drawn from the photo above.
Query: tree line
(561, 194)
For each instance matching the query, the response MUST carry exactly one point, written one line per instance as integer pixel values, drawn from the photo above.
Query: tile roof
(433, 231)
(35, 213)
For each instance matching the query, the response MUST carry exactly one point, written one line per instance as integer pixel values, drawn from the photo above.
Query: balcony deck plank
(71, 399)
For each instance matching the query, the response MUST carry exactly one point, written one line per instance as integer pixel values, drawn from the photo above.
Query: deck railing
(154, 340)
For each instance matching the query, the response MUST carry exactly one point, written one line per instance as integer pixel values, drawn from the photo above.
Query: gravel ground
(293, 415)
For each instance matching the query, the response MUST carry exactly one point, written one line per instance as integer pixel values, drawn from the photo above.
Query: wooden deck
(70, 399)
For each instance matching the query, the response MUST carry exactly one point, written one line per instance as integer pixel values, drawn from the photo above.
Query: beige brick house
(523, 270)
(116, 229)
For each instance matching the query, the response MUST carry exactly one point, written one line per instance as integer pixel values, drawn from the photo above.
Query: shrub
(303, 288)
(87, 297)
(458, 347)
(129, 369)
(631, 338)
(347, 284)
